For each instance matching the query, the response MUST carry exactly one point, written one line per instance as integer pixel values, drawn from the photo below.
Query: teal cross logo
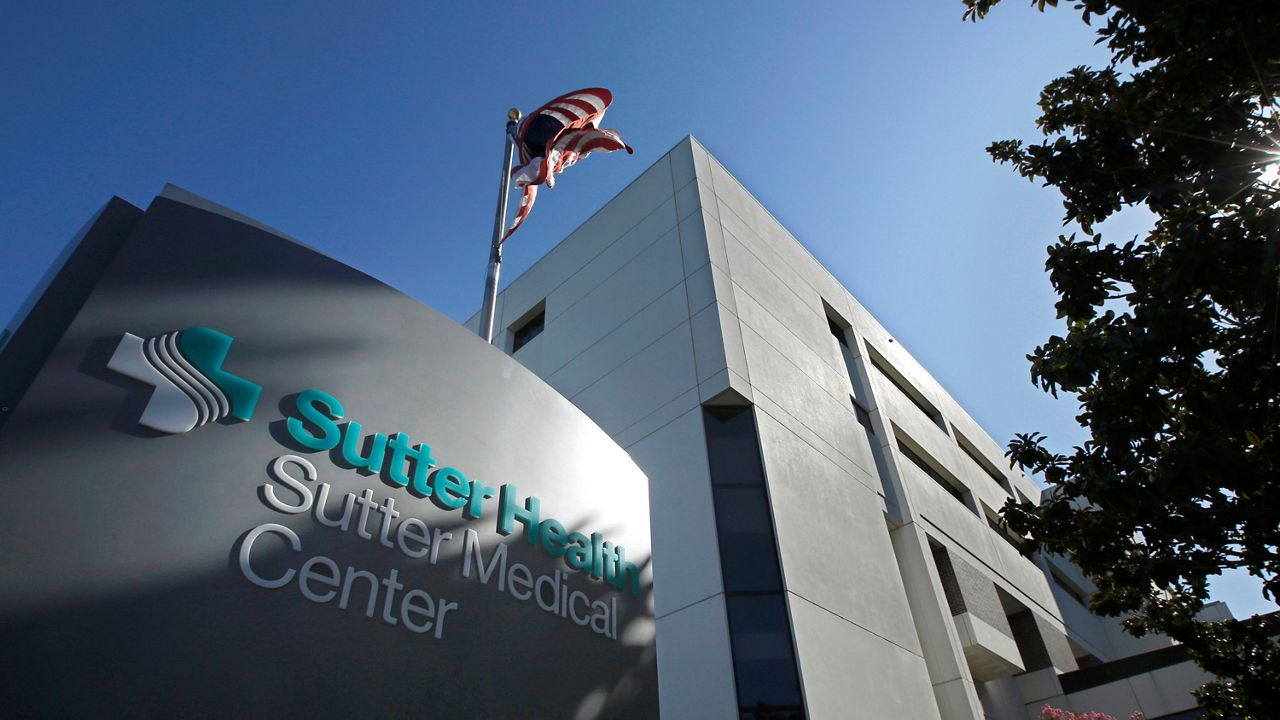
(185, 370)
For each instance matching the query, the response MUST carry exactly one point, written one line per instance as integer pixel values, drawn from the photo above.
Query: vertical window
(838, 332)
(864, 417)
(764, 664)
(528, 328)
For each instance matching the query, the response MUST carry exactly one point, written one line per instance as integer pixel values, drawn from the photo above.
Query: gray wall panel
(122, 591)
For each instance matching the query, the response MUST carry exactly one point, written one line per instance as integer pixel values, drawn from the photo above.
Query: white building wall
(682, 288)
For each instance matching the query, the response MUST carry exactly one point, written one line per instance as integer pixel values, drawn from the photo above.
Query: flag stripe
(580, 112)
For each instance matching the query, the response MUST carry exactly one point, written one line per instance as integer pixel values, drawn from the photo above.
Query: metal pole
(499, 226)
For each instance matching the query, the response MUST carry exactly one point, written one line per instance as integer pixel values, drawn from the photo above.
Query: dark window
(732, 447)
(1002, 531)
(838, 332)
(912, 394)
(921, 463)
(1067, 586)
(1028, 636)
(864, 418)
(764, 662)
(980, 461)
(748, 556)
(529, 330)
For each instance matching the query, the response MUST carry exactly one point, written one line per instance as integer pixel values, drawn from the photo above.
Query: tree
(1171, 340)
(1051, 713)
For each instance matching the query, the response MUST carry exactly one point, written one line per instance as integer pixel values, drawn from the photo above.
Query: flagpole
(499, 226)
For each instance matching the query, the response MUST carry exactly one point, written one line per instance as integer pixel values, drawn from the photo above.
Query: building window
(993, 521)
(1068, 587)
(838, 332)
(978, 459)
(933, 473)
(528, 328)
(864, 417)
(895, 379)
(764, 664)
(763, 661)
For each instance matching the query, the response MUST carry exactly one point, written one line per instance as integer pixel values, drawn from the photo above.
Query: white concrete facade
(904, 601)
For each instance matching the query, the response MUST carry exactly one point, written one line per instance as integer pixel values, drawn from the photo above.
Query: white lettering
(246, 547)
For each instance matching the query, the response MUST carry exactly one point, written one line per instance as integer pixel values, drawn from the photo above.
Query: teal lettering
(320, 409)
(422, 464)
(401, 451)
(451, 489)
(479, 493)
(351, 449)
(509, 513)
(597, 555)
(578, 553)
(622, 574)
(552, 535)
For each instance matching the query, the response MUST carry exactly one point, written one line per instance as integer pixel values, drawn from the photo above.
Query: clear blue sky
(375, 134)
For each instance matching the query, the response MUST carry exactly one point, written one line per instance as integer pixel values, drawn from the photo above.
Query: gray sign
(248, 480)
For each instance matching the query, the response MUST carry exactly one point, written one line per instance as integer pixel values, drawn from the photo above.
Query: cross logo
(185, 370)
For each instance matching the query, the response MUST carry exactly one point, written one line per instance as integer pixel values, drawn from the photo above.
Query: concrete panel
(771, 254)
(735, 353)
(683, 169)
(694, 242)
(1040, 686)
(631, 205)
(849, 672)
(701, 288)
(989, 651)
(681, 515)
(715, 240)
(658, 419)
(1115, 698)
(1175, 683)
(726, 379)
(1151, 700)
(725, 294)
(832, 419)
(765, 404)
(819, 367)
(688, 198)
(1126, 644)
(739, 209)
(646, 382)
(609, 223)
(798, 308)
(717, 340)
(1001, 700)
(938, 639)
(701, 161)
(1024, 576)
(631, 337)
(695, 666)
(832, 539)
(1083, 625)
(708, 342)
(646, 278)
(736, 199)
(611, 259)
(958, 700)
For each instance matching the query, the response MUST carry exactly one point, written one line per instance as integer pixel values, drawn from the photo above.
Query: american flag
(557, 135)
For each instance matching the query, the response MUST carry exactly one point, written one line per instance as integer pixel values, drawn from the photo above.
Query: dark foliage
(1171, 338)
